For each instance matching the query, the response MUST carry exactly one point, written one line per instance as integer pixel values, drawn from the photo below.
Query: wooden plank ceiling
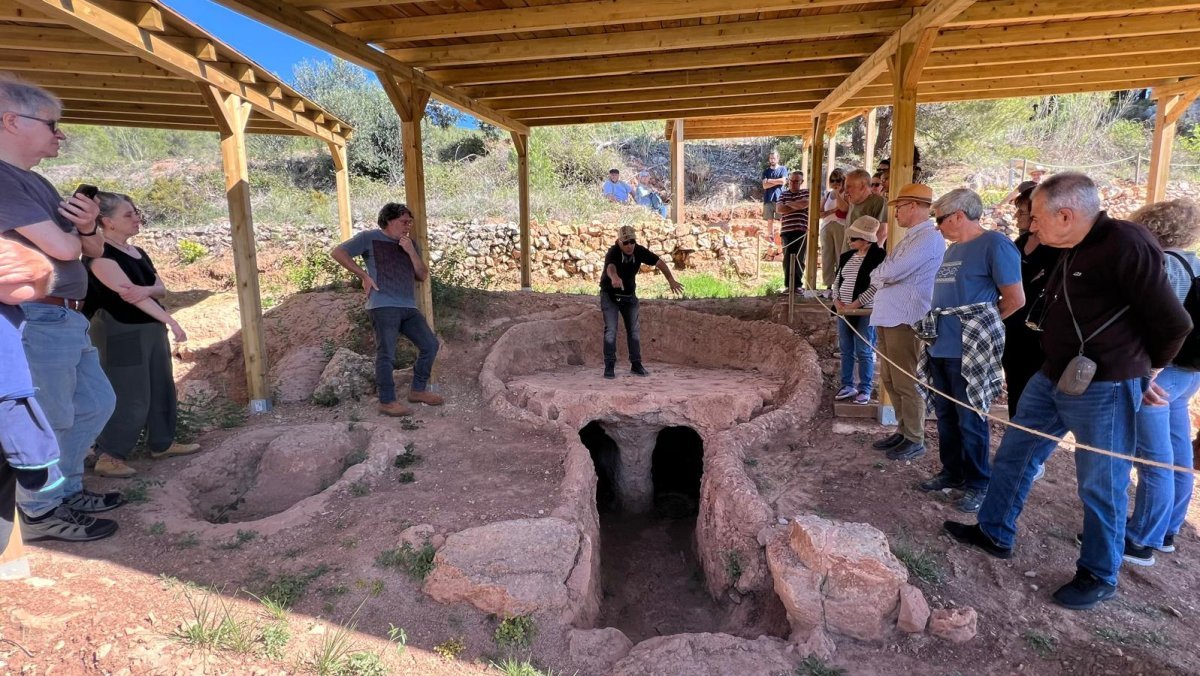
(549, 62)
(140, 64)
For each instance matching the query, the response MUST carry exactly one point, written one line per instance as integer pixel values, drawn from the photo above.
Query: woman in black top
(129, 328)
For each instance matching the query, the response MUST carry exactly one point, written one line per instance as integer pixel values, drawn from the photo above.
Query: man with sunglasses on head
(618, 297)
(1110, 323)
(71, 387)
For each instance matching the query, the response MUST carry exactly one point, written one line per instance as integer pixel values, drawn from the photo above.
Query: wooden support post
(521, 144)
(232, 113)
(1169, 108)
(341, 172)
(905, 72)
(815, 172)
(678, 183)
(831, 150)
(872, 133)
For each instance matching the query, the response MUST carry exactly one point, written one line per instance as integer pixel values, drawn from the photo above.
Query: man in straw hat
(618, 296)
(902, 287)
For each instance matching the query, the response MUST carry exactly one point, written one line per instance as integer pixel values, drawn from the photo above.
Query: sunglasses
(52, 124)
(876, 185)
(625, 242)
(857, 239)
(941, 219)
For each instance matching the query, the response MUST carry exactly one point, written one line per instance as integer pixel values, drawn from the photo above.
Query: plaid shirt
(983, 345)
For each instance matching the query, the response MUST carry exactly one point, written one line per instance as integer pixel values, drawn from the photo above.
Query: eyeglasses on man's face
(876, 185)
(52, 124)
(628, 242)
(942, 219)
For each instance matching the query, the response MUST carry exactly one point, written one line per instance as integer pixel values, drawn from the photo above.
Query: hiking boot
(1138, 556)
(175, 449)
(113, 467)
(972, 534)
(610, 371)
(889, 442)
(427, 398)
(638, 370)
(940, 481)
(862, 399)
(93, 503)
(395, 409)
(1084, 592)
(66, 524)
(906, 450)
(845, 393)
(971, 500)
(1168, 545)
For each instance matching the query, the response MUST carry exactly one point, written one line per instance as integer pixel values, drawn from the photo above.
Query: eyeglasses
(876, 185)
(941, 219)
(857, 239)
(52, 124)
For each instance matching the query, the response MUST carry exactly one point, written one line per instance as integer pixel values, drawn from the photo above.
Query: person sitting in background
(615, 189)
(618, 297)
(647, 196)
(129, 328)
(1164, 429)
(851, 284)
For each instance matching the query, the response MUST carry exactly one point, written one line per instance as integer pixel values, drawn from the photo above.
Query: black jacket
(875, 256)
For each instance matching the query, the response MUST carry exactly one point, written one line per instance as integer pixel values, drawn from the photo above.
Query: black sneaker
(638, 370)
(93, 503)
(971, 500)
(610, 371)
(889, 442)
(1168, 545)
(906, 450)
(1138, 556)
(972, 534)
(66, 524)
(940, 481)
(1084, 592)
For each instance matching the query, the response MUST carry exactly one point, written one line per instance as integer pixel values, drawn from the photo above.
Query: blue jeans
(1164, 433)
(855, 350)
(964, 438)
(1104, 416)
(72, 390)
(389, 323)
(628, 311)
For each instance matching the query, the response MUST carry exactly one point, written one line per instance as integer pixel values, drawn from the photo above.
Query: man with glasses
(793, 230)
(1110, 322)
(618, 296)
(977, 286)
(65, 367)
(902, 287)
(863, 202)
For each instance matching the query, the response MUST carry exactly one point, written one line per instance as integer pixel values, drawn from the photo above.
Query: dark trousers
(628, 311)
(963, 436)
(794, 243)
(136, 358)
(390, 323)
(8, 500)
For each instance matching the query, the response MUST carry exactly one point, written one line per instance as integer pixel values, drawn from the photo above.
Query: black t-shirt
(627, 268)
(99, 297)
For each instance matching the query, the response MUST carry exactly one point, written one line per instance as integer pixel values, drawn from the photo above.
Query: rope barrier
(1008, 423)
(1085, 166)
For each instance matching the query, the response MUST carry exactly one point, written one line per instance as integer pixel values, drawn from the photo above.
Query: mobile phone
(88, 191)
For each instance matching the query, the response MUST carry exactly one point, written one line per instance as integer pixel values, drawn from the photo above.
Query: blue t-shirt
(15, 381)
(388, 265)
(772, 194)
(971, 272)
(619, 190)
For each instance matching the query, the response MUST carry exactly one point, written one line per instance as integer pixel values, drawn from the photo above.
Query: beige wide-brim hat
(914, 192)
(864, 227)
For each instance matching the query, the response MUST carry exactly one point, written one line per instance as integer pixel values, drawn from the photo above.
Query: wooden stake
(341, 171)
(678, 184)
(872, 133)
(815, 172)
(521, 144)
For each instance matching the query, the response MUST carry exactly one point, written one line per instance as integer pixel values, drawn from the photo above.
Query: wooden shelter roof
(140, 64)
(521, 63)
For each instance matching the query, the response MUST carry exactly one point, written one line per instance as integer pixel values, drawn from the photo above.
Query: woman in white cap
(852, 284)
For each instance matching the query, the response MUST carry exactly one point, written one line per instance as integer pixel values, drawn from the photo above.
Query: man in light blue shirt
(617, 190)
(901, 289)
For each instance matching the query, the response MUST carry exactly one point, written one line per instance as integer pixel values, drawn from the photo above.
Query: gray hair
(960, 199)
(1071, 190)
(859, 175)
(19, 96)
(109, 203)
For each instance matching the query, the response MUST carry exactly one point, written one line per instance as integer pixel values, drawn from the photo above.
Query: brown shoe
(176, 449)
(115, 468)
(427, 398)
(395, 409)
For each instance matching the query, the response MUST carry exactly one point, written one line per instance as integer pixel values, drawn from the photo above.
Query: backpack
(1189, 353)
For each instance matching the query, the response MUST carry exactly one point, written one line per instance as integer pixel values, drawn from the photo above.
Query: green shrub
(417, 563)
(190, 252)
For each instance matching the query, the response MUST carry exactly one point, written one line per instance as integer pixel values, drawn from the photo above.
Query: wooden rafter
(1188, 86)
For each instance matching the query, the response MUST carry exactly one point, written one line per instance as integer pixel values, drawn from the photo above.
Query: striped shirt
(796, 221)
(903, 282)
(848, 276)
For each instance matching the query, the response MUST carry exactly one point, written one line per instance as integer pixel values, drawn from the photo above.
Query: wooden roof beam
(586, 14)
(931, 16)
(301, 25)
(642, 117)
(776, 88)
(673, 109)
(1179, 88)
(1067, 31)
(1004, 12)
(1106, 48)
(126, 66)
(1086, 63)
(632, 42)
(54, 39)
(109, 83)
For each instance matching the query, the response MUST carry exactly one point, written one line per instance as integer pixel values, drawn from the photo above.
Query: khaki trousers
(900, 344)
(833, 245)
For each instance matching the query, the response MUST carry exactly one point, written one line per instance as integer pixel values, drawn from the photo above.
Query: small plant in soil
(920, 562)
(360, 488)
(325, 398)
(1043, 644)
(354, 457)
(338, 655)
(514, 667)
(417, 563)
(328, 347)
(515, 632)
(157, 528)
(814, 666)
(409, 423)
(287, 589)
(450, 649)
(243, 536)
(187, 540)
(408, 458)
(407, 477)
(139, 490)
(733, 564)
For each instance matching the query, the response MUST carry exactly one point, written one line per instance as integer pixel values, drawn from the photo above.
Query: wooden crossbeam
(781, 88)
(1182, 87)
(126, 66)
(301, 25)
(101, 85)
(586, 14)
(682, 108)
(688, 37)
(107, 120)
(72, 97)
(1068, 31)
(1003, 12)
(192, 108)
(51, 39)
(98, 21)
(743, 133)
(593, 118)
(1105, 48)
(1088, 64)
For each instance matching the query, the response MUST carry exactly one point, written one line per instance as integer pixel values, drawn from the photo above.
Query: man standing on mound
(618, 295)
(393, 267)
